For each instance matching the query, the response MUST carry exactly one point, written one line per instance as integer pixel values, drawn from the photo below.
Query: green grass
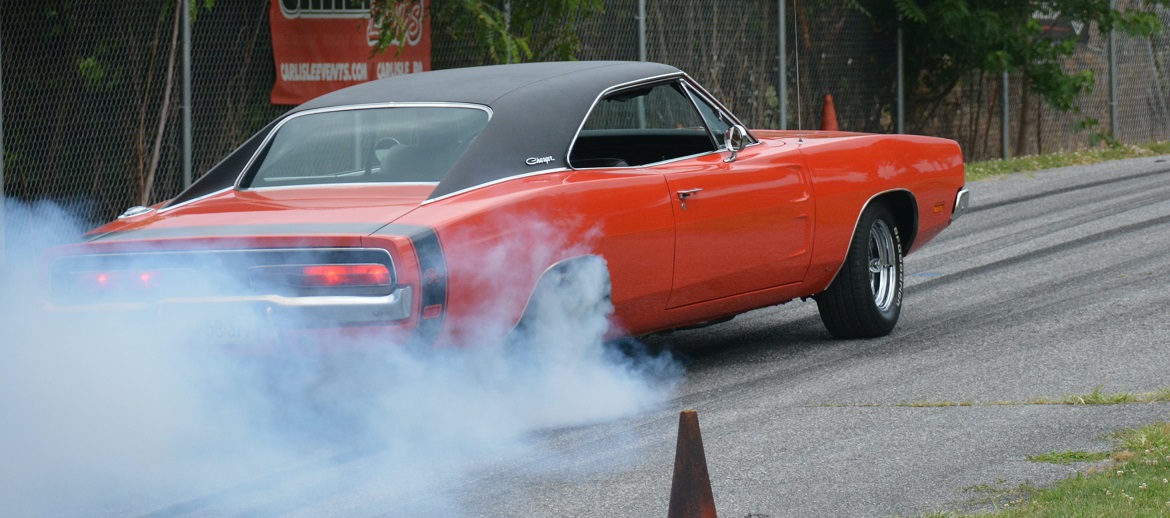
(1132, 480)
(1135, 483)
(989, 168)
(1099, 397)
(1069, 457)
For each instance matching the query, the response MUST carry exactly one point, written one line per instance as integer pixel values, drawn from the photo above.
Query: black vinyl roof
(536, 111)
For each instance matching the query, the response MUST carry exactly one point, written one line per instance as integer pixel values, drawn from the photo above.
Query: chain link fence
(91, 108)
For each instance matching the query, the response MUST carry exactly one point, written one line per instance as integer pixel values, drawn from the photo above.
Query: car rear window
(368, 145)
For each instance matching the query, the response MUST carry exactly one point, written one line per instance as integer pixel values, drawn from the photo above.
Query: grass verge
(1097, 396)
(1069, 457)
(988, 168)
(1135, 483)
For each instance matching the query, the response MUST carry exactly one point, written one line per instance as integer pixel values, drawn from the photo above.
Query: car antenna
(796, 44)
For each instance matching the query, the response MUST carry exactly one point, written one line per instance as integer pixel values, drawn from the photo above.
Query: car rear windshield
(368, 145)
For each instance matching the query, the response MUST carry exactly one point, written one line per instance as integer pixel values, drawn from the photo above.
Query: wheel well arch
(904, 207)
(551, 276)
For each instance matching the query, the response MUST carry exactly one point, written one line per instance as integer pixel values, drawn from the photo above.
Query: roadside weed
(1099, 397)
(1069, 457)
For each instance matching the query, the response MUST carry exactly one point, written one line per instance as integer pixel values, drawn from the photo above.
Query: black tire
(865, 299)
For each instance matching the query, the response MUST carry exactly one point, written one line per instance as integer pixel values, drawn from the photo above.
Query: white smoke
(101, 414)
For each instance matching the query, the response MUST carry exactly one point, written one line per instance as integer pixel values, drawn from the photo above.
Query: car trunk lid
(334, 210)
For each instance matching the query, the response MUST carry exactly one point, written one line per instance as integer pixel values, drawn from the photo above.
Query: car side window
(714, 118)
(641, 125)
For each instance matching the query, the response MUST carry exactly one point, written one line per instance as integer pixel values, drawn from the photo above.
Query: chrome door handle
(683, 195)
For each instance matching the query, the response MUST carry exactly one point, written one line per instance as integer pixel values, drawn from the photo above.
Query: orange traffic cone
(829, 115)
(690, 491)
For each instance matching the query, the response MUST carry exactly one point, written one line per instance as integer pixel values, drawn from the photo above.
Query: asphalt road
(1055, 283)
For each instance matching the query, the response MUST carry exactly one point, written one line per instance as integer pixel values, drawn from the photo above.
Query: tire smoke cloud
(111, 414)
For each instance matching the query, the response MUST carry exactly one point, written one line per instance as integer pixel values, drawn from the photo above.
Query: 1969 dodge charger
(438, 206)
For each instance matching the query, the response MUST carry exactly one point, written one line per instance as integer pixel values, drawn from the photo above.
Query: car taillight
(118, 280)
(322, 275)
(333, 275)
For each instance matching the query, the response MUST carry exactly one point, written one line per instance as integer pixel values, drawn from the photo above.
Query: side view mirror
(735, 140)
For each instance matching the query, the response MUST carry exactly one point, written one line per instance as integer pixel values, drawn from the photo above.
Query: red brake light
(117, 279)
(333, 275)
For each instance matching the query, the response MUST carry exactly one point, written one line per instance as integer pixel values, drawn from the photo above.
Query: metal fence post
(187, 173)
(508, 30)
(783, 62)
(641, 30)
(3, 245)
(1158, 88)
(1113, 77)
(901, 81)
(1005, 111)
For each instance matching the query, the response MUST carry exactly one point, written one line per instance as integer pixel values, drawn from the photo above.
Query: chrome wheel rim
(883, 267)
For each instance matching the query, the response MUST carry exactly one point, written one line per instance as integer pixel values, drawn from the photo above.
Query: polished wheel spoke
(882, 266)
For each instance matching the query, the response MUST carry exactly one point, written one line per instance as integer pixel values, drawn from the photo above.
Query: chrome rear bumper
(312, 311)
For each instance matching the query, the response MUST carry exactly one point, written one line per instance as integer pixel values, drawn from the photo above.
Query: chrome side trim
(193, 200)
(135, 211)
(338, 185)
(689, 83)
(690, 93)
(962, 200)
(607, 91)
(494, 182)
(718, 105)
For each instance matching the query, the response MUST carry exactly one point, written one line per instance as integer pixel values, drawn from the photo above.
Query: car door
(740, 226)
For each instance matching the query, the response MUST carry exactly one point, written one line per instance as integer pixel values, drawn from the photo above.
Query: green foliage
(92, 70)
(910, 11)
(1096, 138)
(509, 31)
(194, 6)
(946, 40)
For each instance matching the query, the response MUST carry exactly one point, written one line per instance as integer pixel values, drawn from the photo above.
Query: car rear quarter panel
(499, 239)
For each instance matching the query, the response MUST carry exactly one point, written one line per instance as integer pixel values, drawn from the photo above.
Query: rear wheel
(865, 299)
(568, 313)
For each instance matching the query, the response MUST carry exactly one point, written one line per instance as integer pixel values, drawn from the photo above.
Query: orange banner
(324, 45)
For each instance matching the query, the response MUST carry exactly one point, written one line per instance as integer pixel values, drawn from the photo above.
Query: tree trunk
(1022, 130)
(148, 185)
(1040, 129)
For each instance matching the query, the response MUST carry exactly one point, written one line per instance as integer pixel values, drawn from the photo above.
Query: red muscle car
(436, 206)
